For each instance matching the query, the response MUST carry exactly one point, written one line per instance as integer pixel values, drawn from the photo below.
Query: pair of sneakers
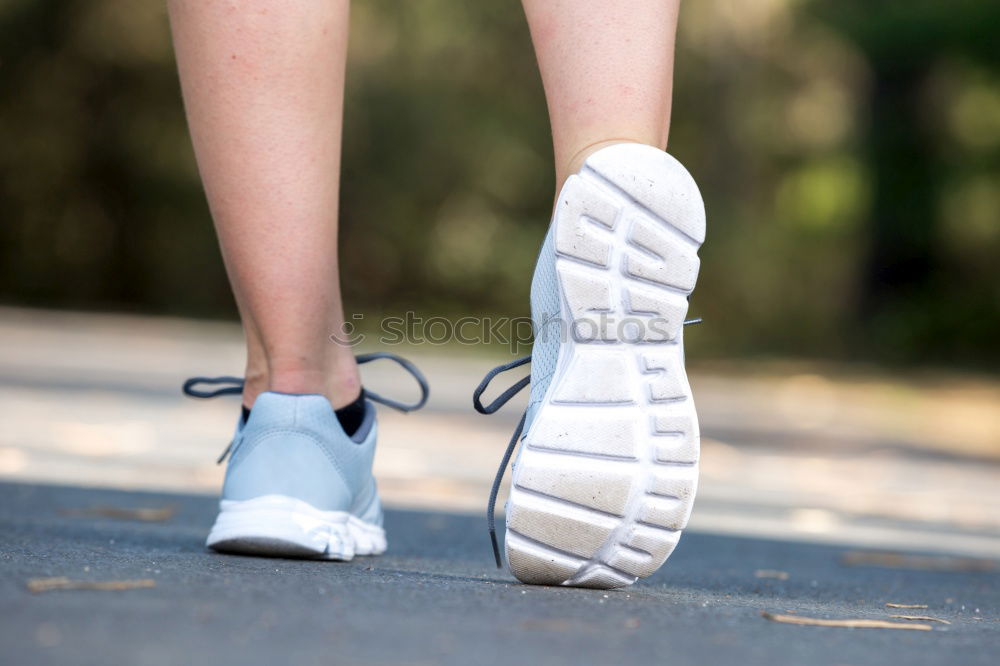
(605, 476)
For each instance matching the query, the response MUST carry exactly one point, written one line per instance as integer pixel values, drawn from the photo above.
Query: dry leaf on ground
(848, 623)
(37, 585)
(925, 618)
(146, 514)
(856, 558)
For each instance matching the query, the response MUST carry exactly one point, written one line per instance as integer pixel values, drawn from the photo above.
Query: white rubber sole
(606, 475)
(280, 526)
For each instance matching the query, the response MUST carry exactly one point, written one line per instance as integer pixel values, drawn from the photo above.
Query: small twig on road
(925, 618)
(38, 585)
(890, 604)
(771, 573)
(149, 515)
(857, 558)
(849, 623)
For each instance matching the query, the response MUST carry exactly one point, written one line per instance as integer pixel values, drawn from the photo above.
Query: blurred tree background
(848, 153)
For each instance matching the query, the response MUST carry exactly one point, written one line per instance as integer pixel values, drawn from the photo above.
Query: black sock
(351, 416)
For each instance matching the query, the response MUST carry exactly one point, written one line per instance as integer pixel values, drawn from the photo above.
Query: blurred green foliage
(848, 153)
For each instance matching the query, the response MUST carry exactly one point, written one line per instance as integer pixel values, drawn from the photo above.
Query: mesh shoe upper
(293, 445)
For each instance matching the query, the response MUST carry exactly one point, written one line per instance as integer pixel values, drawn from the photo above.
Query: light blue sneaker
(606, 473)
(297, 485)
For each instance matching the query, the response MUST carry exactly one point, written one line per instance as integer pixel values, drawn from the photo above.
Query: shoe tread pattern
(608, 470)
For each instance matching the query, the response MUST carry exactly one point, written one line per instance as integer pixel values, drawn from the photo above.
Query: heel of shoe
(281, 526)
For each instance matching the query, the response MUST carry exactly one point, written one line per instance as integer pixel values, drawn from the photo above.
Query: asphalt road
(435, 598)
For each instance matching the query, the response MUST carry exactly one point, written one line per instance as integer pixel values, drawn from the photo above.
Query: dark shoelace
(234, 386)
(491, 408)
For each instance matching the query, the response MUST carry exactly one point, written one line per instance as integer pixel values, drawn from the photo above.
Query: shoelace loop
(494, 406)
(504, 397)
(425, 389)
(234, 386)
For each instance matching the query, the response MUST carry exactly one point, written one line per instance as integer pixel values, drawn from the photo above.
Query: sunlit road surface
(435, 598)
(788, 453)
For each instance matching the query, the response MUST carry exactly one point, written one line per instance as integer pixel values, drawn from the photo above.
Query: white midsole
(280, 525)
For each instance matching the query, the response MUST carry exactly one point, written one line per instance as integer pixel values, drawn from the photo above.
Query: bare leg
(263, 84)
(607, 68)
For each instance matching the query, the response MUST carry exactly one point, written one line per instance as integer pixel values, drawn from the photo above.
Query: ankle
(255, 382)
(338, 380)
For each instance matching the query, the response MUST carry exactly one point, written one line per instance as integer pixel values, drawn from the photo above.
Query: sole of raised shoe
(606, 475)
(281, 526)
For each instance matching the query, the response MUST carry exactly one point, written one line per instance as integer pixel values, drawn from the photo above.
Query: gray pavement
(435, 598)
(801, 465)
